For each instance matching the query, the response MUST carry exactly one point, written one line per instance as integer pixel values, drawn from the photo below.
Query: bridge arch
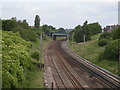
(54, 35)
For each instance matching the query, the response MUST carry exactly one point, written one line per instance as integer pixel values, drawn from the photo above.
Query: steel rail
(112, 80)
(70, 75)
(56, 67)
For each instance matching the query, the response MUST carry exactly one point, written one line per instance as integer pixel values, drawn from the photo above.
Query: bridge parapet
(54, 35)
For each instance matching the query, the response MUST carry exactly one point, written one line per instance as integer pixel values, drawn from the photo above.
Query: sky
(62, 13)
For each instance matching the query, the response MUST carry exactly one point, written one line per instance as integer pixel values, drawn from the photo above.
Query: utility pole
(41, 39)
(84, 38)
(50, 31)
(41, 50)
(72, 37)
(119, 62)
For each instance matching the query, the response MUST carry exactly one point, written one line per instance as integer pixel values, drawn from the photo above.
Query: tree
(112, 50)
(61, 30)
(86, 31)
(8, 25)
(25, 24)
(116, 33)
(37, 21)
(95, 28)
(19, 26)
(78, 34)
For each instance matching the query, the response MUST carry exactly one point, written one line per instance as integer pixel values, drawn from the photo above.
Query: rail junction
(64, 69)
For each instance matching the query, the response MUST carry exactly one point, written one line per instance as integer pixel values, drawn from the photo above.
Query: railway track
(72, 77)
(64, 70)
(107, 77)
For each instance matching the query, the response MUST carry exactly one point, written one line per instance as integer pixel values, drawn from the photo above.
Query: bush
(35, 55)
(112, 50)
(28, 35)
(105, 35)
(103, 42)
(116, 33)
(22, 27)
(16, 60)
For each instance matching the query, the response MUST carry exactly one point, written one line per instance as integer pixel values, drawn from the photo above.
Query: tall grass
(91, 51)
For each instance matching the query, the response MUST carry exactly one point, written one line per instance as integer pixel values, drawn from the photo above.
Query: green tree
(116, 33)
(37, 21)
(95, 28)
(46, 29)
(61, 30)
(78, 34)
(112, 50)
(8, 25)
(86, 31)
(19, 26)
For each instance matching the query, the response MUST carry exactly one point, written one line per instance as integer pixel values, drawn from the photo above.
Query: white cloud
(63, 14)
(59, 0)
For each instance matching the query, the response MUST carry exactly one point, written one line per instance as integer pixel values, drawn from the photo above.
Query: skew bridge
(54, 35)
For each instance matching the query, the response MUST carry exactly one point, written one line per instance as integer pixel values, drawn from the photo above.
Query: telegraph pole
(72, 37)
(49, 32)
(84, 38)
(41, 50)
(41, 39)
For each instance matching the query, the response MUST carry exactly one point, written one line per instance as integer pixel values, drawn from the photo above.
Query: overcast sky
(66, 14)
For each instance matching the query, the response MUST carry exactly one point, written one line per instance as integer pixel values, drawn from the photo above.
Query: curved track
(64, 69)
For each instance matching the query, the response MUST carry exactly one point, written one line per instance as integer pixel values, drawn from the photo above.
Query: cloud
(59, 0)
(63, 14)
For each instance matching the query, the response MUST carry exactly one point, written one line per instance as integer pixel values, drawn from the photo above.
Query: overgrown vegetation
(106, 35)
(112, 50)
(84, 33)
(16, 60)
(35, 55)
(21, 27)
(91, 51)
(102, 42)
(111, 39)
(21, 54)
(116, 33)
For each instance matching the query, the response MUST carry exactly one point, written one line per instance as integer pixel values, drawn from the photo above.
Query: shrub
(22, 27)
(16, 60)
(105, 35)
(35, 55)
(112, 50)
(28, 35)
(103, 42)
(116, 33)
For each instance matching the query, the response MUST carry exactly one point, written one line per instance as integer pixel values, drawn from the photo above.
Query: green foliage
(86, 30)
(116, 33)
(70, 35)
(61, 30)
(112, 50)
(48, 30)
(95, 28)
(37, 21)
(15, 59)
(102, 42)
(92, 52)
(8, 25)
(21, 27)
(105, 35)
(35, 55)
(28, 35)
(77, 34)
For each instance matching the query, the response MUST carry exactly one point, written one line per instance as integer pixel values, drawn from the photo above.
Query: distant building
(110, 28)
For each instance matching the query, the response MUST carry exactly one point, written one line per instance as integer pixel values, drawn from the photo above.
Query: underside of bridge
(55, 36)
